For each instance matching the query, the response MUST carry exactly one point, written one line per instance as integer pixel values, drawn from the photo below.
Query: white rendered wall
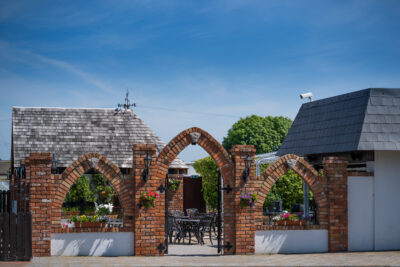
(291, 241)
(387, 200)
(92, 244)
(360, 213)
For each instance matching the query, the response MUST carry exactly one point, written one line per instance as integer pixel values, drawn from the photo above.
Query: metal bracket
(161, 247)
(228, 246)
(161, 188)
(228, 189)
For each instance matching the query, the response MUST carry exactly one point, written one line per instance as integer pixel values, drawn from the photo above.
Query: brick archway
(306, 172)
(205, 140)
(78, 168)
(223, 161)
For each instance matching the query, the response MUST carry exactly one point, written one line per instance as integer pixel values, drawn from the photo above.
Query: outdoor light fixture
(147, 163)
(246, 172)
(53, 165)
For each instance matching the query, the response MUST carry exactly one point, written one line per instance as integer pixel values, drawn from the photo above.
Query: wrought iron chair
(206, 226)
(173, 229)
(192, 212)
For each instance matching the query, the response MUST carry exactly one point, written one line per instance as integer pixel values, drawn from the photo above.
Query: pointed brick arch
(306, 172)
(104, 166)
(205, 140)
(222, 159)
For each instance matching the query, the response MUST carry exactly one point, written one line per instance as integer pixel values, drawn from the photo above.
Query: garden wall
(92, 244)
(291, 241)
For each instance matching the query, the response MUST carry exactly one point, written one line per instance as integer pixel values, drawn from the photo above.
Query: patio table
(189, 226)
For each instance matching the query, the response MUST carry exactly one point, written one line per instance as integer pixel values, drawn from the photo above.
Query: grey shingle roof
(73, 132)
(368, 119)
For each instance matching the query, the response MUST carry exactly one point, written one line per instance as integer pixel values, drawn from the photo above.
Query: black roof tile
(368, 119)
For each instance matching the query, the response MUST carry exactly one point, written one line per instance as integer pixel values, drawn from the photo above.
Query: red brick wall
(48, 191)
(148, 223)
(244, 216)
(39, 171)
(63, 183)
(335, 172)
(306, 172)
(175, 197)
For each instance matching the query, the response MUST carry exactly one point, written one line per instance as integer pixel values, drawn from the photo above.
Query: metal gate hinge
(161, 188)
(228, 188)
(228, 246)
(161, 247)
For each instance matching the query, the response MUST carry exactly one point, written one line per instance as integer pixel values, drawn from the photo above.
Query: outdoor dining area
(195, 225)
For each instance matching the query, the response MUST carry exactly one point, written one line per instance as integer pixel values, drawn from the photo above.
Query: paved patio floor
(389, 258)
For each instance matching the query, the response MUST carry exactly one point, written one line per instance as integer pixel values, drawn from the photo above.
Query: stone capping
(61, 230)
(291, 227)
(359, 173)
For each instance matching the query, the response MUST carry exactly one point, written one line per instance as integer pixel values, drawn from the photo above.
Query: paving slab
(387, 258)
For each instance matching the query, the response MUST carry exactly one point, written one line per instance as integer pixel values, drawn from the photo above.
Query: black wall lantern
(147, 163)
(54, 165)
(246, 172)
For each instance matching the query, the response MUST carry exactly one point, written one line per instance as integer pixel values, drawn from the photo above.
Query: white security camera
(306, 95)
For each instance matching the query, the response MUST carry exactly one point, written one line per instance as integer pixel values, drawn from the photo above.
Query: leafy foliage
(80, 192)
(208, 170)
(265, 133)
(288, 189)
(86, 191)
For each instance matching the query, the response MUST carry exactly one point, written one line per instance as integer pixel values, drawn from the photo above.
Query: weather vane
(127, 105)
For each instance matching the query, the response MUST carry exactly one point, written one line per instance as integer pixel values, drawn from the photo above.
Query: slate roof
(364, 120)
(73, 132)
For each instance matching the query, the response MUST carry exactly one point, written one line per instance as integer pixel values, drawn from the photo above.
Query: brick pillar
(335, 172)
(244, 217)
(148, 223)
(175, 198)
(39, 167)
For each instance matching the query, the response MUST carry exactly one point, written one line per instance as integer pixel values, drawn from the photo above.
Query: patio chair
(206, 226)
(173, 229)
(192, 212)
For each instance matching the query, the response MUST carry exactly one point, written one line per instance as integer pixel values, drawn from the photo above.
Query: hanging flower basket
(248, 200)
(147, 199)
(173, 184)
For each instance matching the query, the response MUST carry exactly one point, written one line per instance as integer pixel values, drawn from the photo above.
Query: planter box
(288, 222)
(90, 224)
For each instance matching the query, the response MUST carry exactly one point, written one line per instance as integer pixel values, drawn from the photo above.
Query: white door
(360, 213)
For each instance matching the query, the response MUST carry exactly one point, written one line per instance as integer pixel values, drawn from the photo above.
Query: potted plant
(147, 199)
(248, 200)
(173, 184)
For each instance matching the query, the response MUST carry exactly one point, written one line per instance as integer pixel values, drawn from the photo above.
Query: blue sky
(223, 57)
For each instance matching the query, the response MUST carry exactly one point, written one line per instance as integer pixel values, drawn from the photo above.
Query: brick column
(148, 223)
(39, 167)
(244, 217)
(335, 172)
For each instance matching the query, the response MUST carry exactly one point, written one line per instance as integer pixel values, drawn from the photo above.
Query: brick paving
(387, 258)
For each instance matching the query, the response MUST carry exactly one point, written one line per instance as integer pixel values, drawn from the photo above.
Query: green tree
(208, 170)
(80, 192)
(265, 133)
